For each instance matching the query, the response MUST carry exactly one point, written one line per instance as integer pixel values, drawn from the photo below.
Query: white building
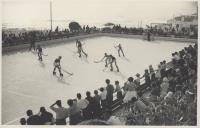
(184, 21)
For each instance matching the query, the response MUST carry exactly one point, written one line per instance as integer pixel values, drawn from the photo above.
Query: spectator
(137, 81)
(155, 92)
(109, 96)
(23, 121)
(33, 119)
(118, 90)
(147, 78)
(103, 96)
(75, 116)
(91, 106)
(61, 113)
(82, 104)
(131, 93)
(164, 87)
(151, 70)
(97, 99)
(46, 117)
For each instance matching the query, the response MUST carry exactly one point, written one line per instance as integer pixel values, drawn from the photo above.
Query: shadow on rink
(62, 80)
(42, 64)
(107, 70)
(125, 58)
(84, 58)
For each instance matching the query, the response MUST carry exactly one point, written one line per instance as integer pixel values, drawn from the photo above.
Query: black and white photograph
(99, 62)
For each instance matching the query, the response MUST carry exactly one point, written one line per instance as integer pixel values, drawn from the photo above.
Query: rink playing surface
(29, 84)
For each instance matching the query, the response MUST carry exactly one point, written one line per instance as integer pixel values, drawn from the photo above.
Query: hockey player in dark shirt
(113, 60)
(109, 60)
(57, 65)
(39, 51)
(80, 48)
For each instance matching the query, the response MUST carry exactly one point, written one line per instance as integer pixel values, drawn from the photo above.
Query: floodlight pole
(51, 14)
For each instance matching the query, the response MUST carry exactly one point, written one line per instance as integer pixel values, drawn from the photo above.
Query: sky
(36, 13)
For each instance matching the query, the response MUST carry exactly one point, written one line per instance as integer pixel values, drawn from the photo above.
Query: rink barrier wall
(66, 40)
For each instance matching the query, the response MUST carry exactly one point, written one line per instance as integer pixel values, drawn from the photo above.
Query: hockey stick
(97, 61)
(66, 71)
(44, 54)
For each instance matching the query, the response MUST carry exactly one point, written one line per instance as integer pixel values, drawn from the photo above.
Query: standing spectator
(103, 96)
(151, 70)
(46, 117)
(118, 90)
(147, 78)
(33, 119)
(137, 80)
(75, 116)
(110, 91)
(82, 104)
(23, 121)
(61, 113)
(131, 90)
(97, 99)
(91, 106)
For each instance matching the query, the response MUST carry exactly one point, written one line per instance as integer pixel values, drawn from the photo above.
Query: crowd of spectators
(13, 38)
(168, 97)
(16, 38)
(172, 98)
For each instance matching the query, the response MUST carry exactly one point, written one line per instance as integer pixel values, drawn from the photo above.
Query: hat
(165, 79)
(138, 75)
(177, 70)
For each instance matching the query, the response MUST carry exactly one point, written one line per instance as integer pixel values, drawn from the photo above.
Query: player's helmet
(60, 57)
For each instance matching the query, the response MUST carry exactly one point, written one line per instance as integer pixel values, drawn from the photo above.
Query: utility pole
(51, 14)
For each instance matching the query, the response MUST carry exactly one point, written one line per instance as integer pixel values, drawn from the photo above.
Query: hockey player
(39, 51)
(80, 48)
(57, 65)
(113, 60)
(107, 59)
(119, 49)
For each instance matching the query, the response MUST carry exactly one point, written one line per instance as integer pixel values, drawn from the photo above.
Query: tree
(74, 27)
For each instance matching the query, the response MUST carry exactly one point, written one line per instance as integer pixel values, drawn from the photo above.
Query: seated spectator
(140, 105)
(46, 117)
(75, 116)
(33, 119)
(23, 121)
(164, 87)
(155, 92)
(61, 113)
